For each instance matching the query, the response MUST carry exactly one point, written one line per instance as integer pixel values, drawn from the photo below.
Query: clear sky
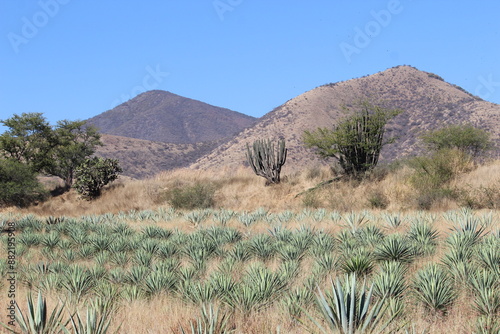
(74, 59)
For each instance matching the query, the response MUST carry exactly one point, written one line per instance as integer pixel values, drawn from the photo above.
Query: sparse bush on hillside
(432, 175)
(378, 200)
(197, 196)
(94, 174)
(466, 138)
(453, 151)
(485, 197)
(18, 184)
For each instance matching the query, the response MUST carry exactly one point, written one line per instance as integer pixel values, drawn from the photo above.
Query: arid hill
(427, 100)
(165, 117)
(143, 158)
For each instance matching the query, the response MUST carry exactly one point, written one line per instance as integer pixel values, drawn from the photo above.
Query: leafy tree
(466, 138)
(29, 140)
(356, 141)
(18, 184)
(75, 143)
(93, 174)
(54, 151)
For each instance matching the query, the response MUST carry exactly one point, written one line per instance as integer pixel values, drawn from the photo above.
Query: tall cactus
(265, 162)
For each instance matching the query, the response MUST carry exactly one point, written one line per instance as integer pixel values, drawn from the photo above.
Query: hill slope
(165, 117)
(143, 158)
(428, 102)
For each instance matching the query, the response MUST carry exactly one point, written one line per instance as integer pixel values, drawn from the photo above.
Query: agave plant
(296, 300)
(434, 288)
(143, 258)
(223, 216)
(197, 292)
(247, 219)
(222, 284)
(288, 252)
(354, 220)
(241, 252)
(369, 235)
(390, 281)
(393, 220)
(156, 232)
(51, 240)
(259, 289)
(210, 322)
(196, 217)
(325, 263)
(263, 247)
(350, 308)
(486, 288)
(77, 281)
(97, 319)
(322, 243)
(487, 325)
(37, 319)
(359, 263)
(159, 281)
(488, 254)
(394, 248)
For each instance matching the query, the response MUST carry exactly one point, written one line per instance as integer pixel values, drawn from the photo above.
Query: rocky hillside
(427, 100)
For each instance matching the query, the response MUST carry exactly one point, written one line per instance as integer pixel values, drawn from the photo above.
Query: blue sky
(74, 59)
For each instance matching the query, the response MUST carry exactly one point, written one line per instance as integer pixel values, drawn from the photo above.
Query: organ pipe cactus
(265, 161)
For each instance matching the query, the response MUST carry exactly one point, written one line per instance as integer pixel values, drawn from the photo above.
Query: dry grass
(241, 190)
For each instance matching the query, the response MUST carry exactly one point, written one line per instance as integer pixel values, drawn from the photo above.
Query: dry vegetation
(241, 190)
(142, 203)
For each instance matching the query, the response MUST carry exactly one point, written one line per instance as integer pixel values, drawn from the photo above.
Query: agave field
(312, 271)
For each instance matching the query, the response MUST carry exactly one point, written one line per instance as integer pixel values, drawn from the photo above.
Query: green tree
(55, 151)
(356, 141)
(75, 143)
(93, 174)
(18, 184)
(29, 139)
(467, 138)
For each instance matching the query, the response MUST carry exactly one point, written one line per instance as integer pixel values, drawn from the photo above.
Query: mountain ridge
(427, 100)
(162, 116)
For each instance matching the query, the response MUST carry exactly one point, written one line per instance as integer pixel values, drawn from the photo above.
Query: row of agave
(248, 272)
(222, 217)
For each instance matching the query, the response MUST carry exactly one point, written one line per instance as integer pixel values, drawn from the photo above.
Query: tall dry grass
(241, 190)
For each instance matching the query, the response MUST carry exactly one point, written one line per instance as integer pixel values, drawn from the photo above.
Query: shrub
(378, 200)
(19, 185)
(94, 174)
(432, 175)
(465, 138)
(311, 200)
(197, 196)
